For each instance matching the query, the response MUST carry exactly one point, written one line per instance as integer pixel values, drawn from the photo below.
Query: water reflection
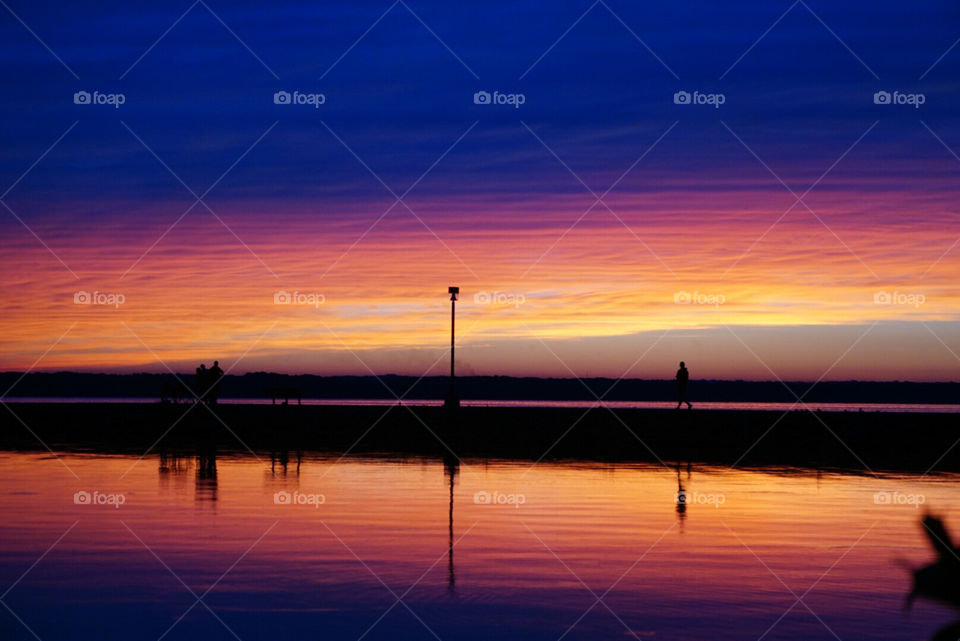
(821, 533)
(451, 467)
(175, 466)
(681, 498)
(172, 464)
(280, 460)
(206, 489)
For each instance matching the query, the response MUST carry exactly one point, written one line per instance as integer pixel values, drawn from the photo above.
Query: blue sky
(496, 197)
(399, 97)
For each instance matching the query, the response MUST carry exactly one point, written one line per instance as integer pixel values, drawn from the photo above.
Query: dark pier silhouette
(849, 440)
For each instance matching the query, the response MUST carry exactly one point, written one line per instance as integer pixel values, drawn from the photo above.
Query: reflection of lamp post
(451, 466)
(453, 401)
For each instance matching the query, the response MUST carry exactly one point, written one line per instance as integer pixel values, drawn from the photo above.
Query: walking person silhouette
(683, 375)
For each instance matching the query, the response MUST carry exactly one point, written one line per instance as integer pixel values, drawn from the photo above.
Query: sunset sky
(798, 230)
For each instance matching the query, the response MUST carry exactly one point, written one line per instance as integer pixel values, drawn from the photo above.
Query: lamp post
(452, 401)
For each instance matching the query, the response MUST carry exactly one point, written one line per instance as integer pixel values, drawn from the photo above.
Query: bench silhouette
(286, 393)
(175, 391)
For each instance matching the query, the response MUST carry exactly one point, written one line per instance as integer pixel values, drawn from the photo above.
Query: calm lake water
(228, 548)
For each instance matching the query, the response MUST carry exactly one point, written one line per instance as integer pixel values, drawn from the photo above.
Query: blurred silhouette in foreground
(683, 375)
(939, 581)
